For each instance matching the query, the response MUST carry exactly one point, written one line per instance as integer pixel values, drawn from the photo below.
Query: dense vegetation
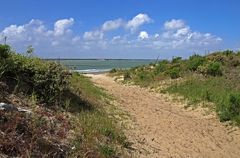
(213, 78)
(67, 112)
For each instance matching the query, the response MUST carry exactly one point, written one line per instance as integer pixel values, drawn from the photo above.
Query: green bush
(161, 67)
(214, 69)
(30, 75)
(176, 59)
(174, 72)
(144, 76)
(4, 51)
(228, 52)
(230, 109)
(127, 75)
(234, 106)
(113, 70)
(195, 61)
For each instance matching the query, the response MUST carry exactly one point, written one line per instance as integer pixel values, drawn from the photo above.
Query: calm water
(94, 66)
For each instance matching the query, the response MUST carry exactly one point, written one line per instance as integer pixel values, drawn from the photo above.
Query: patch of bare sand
(161, 128)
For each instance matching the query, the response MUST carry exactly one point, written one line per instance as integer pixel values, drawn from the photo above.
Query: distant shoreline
(90, 59)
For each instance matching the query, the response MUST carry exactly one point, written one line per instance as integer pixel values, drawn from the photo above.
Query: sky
(120, 28)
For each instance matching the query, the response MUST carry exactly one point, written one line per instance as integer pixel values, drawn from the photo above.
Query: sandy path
(163, 129)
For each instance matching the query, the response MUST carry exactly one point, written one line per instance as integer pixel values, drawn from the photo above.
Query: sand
(163, 128)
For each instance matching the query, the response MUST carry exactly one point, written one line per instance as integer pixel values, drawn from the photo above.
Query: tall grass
(217, 90)
(99, 134)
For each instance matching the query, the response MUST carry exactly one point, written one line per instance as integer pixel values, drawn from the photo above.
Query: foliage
(30, 75)
(113, 70)
(230, 108)
(98, 134)
(176, 59)
(126, 76)
(214, 69)
(4, 51)
(79, 112)
(195, 61)
(174, 72)
(219, 90)
(143, 78)
(161, 67)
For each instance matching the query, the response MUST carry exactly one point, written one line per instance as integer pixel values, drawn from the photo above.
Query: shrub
(195, 61)
(230, 109)
(4, 51)
(228, 52)
(32, 75)
(144, 76)
(113, 70)
(161, 67)
(174, 72)
(234, 104)
(127, 76)
(214, 69)
(176, 59)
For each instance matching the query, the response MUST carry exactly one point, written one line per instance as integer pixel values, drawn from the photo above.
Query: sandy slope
(160, 128)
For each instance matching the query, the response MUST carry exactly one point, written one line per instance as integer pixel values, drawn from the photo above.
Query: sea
(101, 65)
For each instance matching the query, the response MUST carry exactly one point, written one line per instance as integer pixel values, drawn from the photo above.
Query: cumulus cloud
(93, 35)
(112, 24)
(137, 21)
(44, 40)
(178, 34)
(61, 40)
(143, 35)
(13, 30)
(174, 24)
(61, 26)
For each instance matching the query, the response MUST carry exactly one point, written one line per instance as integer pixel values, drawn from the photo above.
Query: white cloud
(174, 24)
(61, 26)
(143, 35)
(112, 24)
(137, 21)
(93, 35)
(178, 35)
(44, 40)
(60, 39)
(13, 30)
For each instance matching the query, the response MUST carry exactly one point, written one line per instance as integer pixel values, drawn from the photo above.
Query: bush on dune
(195, 61)
(30, 75)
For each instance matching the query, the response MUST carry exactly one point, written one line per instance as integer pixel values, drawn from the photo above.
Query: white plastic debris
(11, 107)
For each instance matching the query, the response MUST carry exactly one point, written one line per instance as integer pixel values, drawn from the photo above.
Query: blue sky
(120, 28)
